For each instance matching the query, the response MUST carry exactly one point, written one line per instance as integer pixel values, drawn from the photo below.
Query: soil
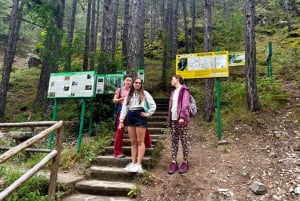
(268, 152)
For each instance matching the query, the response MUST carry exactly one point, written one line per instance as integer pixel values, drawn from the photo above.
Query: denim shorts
(135, 119)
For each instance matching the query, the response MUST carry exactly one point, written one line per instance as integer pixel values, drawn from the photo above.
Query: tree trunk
(59, 18)
(125, 31)
(174, 22)
(93, 36)
(186, 39)
(167, 41)
(193, 17)
(209, 106)
(87, 37)
(250, 54)
(114, 28)
(142, 33)
(295, 8)
(287, 13)
(10, 51)
(107, 28)
(134, 36)
(70, 36)
(153, 19)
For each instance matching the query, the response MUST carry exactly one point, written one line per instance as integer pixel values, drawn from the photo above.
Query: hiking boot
(184, 167)
(172, 167)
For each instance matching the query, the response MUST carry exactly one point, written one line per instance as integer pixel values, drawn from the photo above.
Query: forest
(107, 36)
(260, 112)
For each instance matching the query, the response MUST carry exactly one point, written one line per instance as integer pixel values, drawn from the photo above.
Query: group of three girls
(133, 113)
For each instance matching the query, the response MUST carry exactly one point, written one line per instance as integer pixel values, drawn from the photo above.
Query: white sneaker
(128, 166)
(136, 168)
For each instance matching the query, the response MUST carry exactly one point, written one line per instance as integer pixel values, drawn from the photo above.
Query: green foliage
(134, 192)
(156, 154)
(34, 189)
(106, 65)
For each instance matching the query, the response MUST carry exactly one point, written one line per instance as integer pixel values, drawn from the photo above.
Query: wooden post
(6, 192)
(55, 164)
(10, 153)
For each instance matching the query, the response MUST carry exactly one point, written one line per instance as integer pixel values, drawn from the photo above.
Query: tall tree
(93, 35)
(134, 36)
(70, 35)
(51, 54)
(250, 54)
(125, 30)
(87, 37)
(174, 32)
(186, 34)
(167, 41)
(109, 27)
(287, 14)
(142, 32)
(193, 18)
(10, 51)
(153, 19)
(209, 105)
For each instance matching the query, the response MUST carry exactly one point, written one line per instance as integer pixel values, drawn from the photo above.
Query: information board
(72, 84)
(202, 65)
(236, 58)
(108, 83)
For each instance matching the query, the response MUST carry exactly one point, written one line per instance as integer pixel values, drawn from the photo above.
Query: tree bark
(153, 19)
(70, 36)
(287, 14)
(250, 56)
(125, 31)
(134, 36)
(186, 39)
(142, 35)
(93, 36)
(114, 28)
(174, 22)
(193, 17)
(10, 51)
(209, 106)
(87, 37)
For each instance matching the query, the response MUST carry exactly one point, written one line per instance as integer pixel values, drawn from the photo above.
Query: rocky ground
(268, 153)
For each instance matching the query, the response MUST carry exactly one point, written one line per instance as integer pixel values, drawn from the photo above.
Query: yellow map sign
(202, 65)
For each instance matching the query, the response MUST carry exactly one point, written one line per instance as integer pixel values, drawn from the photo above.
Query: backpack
(193, 109)
(192, 106)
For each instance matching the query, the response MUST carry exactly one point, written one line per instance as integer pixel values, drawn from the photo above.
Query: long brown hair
(178, 77)
(139, 91)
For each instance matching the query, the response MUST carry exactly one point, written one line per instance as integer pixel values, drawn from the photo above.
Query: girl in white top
(136, 112)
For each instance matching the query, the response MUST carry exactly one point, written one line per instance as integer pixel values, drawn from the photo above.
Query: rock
(277, 197)
(225, 192)
(297, 190)
(33, 62)
(258, 188)
(297, 148)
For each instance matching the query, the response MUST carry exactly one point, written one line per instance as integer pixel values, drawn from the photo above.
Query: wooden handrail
(27, 175)
(53, 155)
(10, 153)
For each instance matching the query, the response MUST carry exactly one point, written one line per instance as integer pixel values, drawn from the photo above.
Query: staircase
(107, 179)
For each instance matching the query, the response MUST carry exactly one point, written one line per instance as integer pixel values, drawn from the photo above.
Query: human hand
(144, 114)
(181, 121)
(121, 125)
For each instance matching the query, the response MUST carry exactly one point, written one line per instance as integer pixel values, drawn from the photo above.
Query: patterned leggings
(176, 133)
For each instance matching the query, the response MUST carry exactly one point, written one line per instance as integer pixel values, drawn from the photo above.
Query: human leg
(118, 141)
(185, 149)
(148, 142)
(133, 141)
(140, 131)
(175, 139)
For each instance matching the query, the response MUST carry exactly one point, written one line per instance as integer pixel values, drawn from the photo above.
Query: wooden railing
(54, 155)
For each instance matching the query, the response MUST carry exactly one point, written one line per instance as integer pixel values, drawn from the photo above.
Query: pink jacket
(183, 105)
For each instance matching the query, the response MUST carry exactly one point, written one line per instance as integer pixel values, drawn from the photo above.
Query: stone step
(157, 124)
(158, 119)
(161, 113)
(109, 150)
(102, 187)
(111, 173)
(89, 197)
(126, 141)
(111, 161)
(159, 136)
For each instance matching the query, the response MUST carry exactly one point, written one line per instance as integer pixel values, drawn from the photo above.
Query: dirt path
(267, 154)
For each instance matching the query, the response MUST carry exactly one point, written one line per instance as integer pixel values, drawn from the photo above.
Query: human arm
(117, 97)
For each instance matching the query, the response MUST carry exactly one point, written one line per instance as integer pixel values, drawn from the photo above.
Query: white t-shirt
(175, 103)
